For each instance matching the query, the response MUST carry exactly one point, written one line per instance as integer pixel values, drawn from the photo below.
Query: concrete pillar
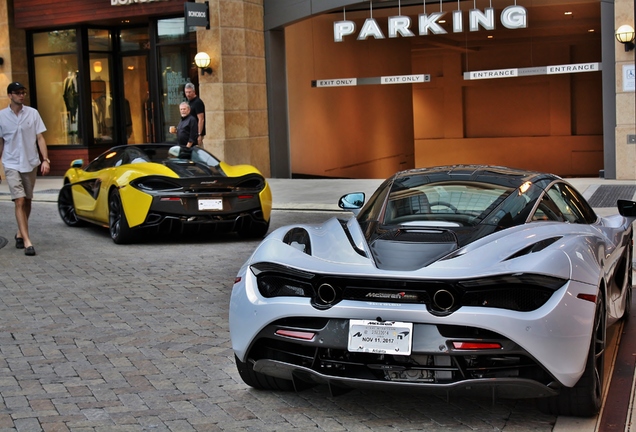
(625, 100)
(235, 95)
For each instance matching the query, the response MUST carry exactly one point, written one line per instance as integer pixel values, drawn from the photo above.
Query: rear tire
(584, 399)
(260, 381)
(66, 207)
(120, 232)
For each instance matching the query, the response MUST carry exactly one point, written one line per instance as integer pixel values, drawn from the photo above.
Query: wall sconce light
(97, 66)
(202, 60)
(625, 35)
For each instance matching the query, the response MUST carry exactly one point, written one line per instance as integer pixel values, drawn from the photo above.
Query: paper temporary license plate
(211, 204)
(380, 337)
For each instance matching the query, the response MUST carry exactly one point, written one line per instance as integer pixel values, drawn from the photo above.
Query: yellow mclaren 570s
(167, 188)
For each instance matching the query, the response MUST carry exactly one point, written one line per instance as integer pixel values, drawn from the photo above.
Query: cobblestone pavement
(100, 337)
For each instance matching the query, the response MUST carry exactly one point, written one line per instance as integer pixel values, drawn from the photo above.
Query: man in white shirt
(21, 129)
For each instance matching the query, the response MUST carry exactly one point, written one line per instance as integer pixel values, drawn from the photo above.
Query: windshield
(133, 154)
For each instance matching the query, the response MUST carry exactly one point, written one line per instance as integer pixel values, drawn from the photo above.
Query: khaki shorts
(21, 184)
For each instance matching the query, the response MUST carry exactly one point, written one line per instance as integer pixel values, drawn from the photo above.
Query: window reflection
(174, 29)
(134, 39)
(101, 99)
(57, 83)
(56, 41)
(113, 79)
(99, 40)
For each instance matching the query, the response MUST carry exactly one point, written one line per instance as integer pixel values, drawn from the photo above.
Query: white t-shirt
(19, 133)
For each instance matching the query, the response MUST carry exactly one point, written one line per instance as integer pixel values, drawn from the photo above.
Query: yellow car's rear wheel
(120, 232)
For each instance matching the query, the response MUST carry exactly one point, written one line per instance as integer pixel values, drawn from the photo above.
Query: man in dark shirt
(197, 109)
(187, 128)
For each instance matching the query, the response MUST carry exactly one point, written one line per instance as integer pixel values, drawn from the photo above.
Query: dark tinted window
(569, 203)
(373, 207)
(547, 210)
(516, 209)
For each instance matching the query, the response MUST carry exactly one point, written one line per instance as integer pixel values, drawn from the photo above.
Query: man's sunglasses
(20, 93)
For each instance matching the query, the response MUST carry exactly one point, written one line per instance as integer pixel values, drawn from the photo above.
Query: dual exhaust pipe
(443, 300)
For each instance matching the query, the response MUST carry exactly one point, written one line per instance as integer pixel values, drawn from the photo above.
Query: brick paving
(100, 337)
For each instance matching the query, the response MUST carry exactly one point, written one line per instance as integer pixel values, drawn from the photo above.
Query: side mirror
(352, 201)
(77, 163)
(626, 208)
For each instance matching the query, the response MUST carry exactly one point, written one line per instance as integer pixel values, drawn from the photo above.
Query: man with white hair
(187, 132)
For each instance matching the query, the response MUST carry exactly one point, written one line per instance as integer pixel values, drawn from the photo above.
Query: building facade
(337, 88)
(108, 72)
(539, 85)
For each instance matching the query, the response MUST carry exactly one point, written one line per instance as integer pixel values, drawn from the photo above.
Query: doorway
(137, 113)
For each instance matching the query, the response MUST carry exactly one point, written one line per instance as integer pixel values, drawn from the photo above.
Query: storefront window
(101, 98)
(102, 104)
(55, 41)
(134, 39)
(174, 29)
(137, 112)
(138, 117)
(114, 83)
(56, 83)
(56, 78)
(99, 40)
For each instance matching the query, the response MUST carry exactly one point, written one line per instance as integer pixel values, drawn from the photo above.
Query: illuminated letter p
(342, 29)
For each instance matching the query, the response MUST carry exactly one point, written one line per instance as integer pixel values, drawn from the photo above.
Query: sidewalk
(288, 194)
(323, 194)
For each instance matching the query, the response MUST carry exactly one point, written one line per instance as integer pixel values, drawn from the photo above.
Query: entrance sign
(489, 74)
(512, 17)
(395, 79)
(574, 68)
(539, 70)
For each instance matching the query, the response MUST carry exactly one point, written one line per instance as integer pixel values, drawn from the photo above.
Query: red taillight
(237, 279)
(476, 345)
(246, 196)
(296, 334)
(588, 297)
(170, 199)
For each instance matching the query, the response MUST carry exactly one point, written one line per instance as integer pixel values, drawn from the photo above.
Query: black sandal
(19, 242)
(30, 251)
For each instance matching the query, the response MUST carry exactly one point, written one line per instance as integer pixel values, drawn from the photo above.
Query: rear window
(457, 203)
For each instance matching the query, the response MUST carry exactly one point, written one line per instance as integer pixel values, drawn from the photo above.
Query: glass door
(176, 48)
(137, 109)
